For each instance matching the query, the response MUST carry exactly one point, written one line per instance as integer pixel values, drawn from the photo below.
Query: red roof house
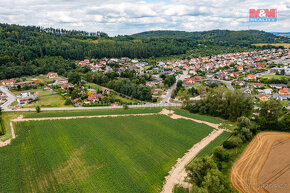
(52, 75)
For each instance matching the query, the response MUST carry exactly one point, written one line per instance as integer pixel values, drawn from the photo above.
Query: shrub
(37, 108)
(67, 102)
(233, 142)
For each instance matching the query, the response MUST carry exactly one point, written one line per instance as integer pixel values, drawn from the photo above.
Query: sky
(125, 17)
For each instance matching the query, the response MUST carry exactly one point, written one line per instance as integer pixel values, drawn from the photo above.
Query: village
(261, 74)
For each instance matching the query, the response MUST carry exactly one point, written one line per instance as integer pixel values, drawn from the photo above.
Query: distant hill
(285, 34)
(246, 36)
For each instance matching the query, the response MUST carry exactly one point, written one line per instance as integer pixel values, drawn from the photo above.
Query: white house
(268, 91)
(26, 93)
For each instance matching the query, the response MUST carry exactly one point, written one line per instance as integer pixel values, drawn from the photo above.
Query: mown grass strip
(208, 150)
(198, 116)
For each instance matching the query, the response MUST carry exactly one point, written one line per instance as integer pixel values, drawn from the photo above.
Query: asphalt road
(11, 98)
(169, 90)
(91, 108)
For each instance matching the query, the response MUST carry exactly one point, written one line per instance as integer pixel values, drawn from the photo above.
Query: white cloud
(129, 16)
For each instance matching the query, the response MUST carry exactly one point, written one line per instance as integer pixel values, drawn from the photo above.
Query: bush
(37, 108)
(67, 102)
(233, 142)
(221, 154)
(2, 127)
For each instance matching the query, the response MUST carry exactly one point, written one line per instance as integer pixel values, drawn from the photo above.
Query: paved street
(11, 98)
(90, 108)
(169, 90)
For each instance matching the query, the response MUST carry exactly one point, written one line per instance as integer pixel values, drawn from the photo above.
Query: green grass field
(198, 116)
(47, 98)
(274, 76)
(113, 154)
(208, 150)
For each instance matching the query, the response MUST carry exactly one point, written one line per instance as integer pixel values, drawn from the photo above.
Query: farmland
(208, 150)
(109, 154)
(264, 165)
(285, 45)
(91, 112)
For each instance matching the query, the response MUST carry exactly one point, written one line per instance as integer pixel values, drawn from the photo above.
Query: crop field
(286, 45)
(91, 112)
(264, 165)
(208, 150)
(108, 154)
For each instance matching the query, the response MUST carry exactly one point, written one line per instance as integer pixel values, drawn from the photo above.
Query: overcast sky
(128, 16)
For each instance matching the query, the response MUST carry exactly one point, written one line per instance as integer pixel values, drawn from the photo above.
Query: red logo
(263, 13)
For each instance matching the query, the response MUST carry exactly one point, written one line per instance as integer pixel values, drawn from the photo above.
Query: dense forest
(33, 50)
(233, 37)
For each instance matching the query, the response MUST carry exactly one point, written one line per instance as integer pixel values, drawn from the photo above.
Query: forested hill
(239, 37)
(28, 50)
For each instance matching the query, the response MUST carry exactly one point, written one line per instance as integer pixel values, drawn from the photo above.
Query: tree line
(222, 102)
(127, 86)
(2, 125)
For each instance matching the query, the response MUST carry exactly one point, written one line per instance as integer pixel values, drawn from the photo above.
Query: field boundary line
(177, 174)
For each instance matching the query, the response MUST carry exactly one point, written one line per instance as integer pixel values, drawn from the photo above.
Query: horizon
(148, 30)
(129, 17)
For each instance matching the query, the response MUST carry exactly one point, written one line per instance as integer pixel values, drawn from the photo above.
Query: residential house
(263, 97)
(239, 83)
(257, 85)
(93, 98)
(60, 81)
(246, 90)
(198, 78)
(3, 99)
(280, 97)
(52, 75)
(105, 91)
(35, 80)
(189, 81)
(284, 91)
(240, 68)
(8, 82)
(26, 93)
(251, 76)
(25, 100)
(235, 74)
(66, 86)
(278, 86)
(157, 70)
(268, 91)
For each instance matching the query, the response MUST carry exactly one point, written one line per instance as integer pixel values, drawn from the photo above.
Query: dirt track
(264, 165)
(177, 174)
